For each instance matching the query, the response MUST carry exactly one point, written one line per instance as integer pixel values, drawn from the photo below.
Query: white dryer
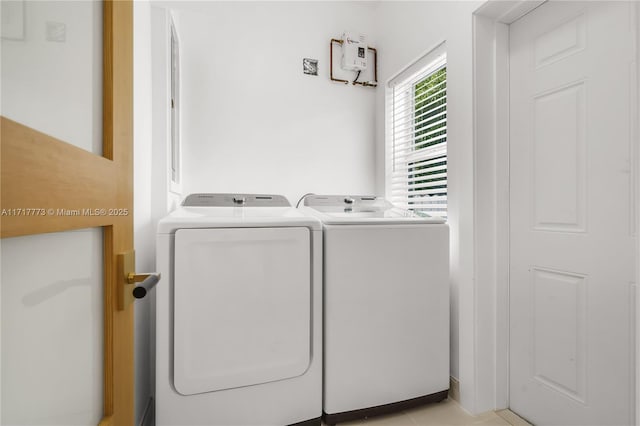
(239, 323)
(386, 306)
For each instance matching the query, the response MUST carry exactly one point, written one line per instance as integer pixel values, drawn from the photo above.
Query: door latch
(128, 291)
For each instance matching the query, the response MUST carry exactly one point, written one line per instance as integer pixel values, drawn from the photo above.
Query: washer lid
(221, 211)
(353, 210)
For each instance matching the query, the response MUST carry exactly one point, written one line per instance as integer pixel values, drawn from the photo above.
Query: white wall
(144, 228)
(162, 201)
(637, 159)
(404, 32)
(251, 120)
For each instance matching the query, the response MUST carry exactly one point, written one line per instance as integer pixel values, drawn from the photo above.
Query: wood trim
(108, 240)
(53, 176)
(107, 80)
(106, 421)
(121, 98)
(109, 309)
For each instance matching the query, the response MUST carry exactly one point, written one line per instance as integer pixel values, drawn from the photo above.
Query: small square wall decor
(310, 66)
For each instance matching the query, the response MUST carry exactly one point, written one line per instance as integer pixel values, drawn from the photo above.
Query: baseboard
(454, 389)
(512, 418)
(149, 414)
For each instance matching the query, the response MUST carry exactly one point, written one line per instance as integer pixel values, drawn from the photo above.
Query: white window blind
(417, 136)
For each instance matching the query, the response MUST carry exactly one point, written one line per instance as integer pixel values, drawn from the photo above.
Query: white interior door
(572, 218)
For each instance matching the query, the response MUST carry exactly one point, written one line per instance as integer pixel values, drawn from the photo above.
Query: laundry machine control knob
(348, 200)
(239, 200)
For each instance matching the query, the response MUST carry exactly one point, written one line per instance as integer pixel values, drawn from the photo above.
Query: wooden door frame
(491, 199)
(42, 172)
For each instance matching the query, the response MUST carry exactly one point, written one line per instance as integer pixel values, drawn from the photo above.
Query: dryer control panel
(235, 200)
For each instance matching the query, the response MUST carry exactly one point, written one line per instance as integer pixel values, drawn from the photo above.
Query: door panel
(559, 328)
(52, 322)
(572, 246)
(52, 75)
(559, 198)
(386, 310)
(242, 310)
(54, 175)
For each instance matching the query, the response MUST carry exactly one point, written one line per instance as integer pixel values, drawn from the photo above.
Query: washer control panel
(345, 200)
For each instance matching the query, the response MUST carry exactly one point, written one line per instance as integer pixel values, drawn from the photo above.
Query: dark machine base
(332, 419)
(312, 422)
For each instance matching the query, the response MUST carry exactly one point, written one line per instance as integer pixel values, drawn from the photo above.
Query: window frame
(174, 160)
(417, 71)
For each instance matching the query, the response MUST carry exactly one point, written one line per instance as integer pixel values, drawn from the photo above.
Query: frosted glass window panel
(52, 76)
(52, 328)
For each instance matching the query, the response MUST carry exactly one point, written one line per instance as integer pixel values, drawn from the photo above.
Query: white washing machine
(386, 306)
(239, 323)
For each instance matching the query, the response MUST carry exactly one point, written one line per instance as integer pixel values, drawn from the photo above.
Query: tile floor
(445, 413)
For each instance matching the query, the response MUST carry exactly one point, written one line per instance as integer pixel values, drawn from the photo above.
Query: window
(417, 136)
(175, 112)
